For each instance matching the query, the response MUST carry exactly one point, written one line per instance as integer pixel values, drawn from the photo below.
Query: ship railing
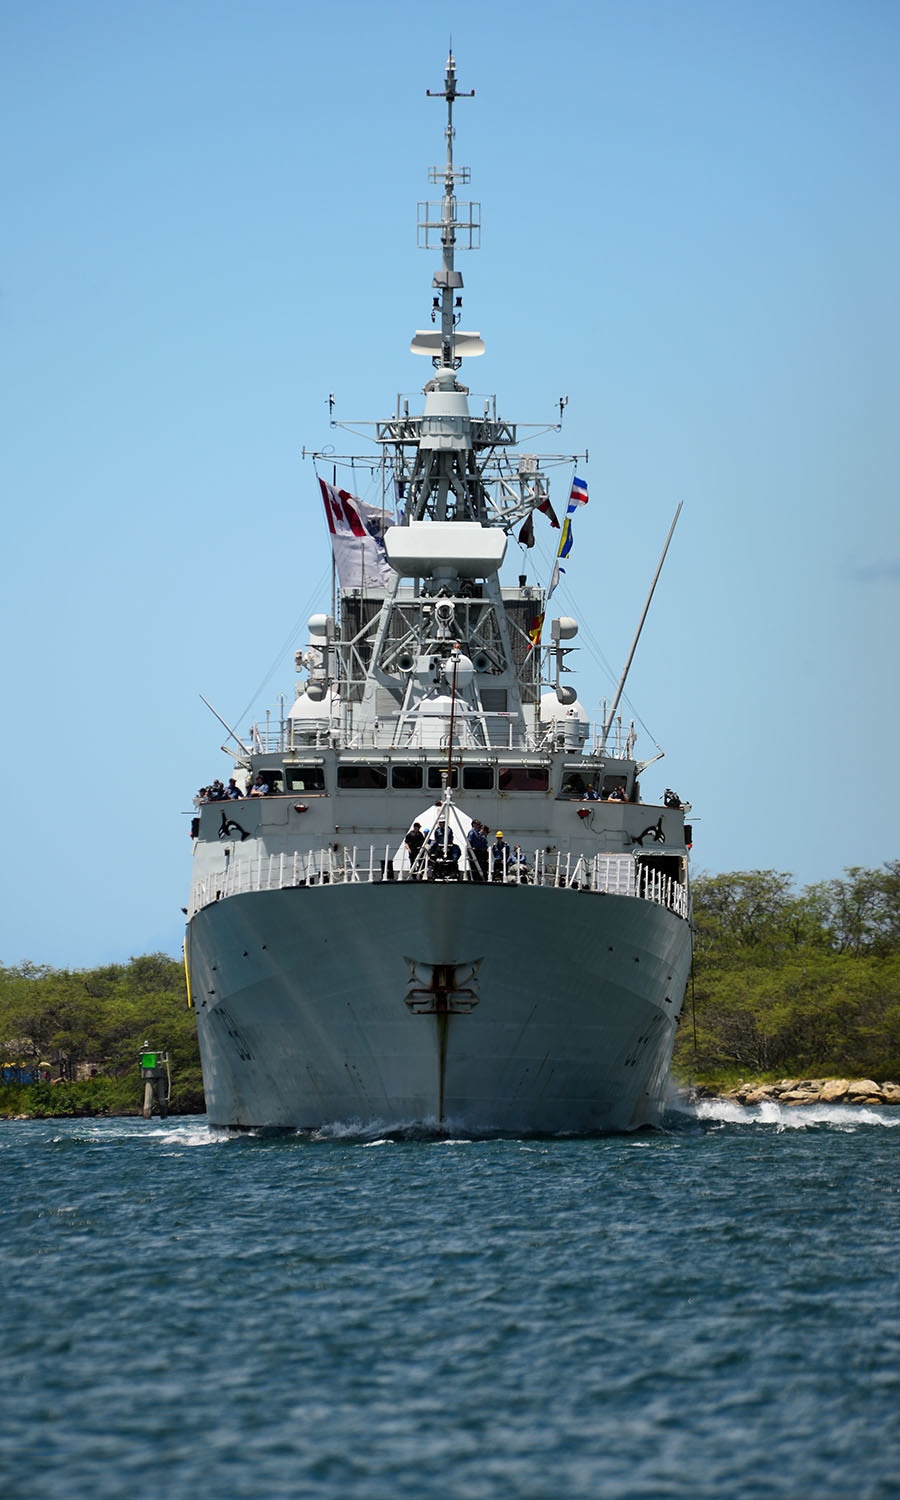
(492, 730)
(601, 874)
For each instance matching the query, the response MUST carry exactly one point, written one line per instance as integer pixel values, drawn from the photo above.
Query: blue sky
(690, 228)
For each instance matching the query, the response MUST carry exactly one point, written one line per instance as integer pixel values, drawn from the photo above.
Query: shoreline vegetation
(70, 1040)
(794, 998)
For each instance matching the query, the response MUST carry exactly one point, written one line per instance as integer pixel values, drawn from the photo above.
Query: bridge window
(524, 779)
(305, 778)
(478, 778)
(273, 779)
(577, 782)
(362, 778)
(436, 775)
(406, 778)
(615, 788)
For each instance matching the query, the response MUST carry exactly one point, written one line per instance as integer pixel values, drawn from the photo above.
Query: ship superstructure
(440, 900)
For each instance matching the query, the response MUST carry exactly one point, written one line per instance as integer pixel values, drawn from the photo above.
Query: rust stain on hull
(442, 991)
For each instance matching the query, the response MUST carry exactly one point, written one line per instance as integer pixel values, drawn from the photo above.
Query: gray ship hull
(442, 1006)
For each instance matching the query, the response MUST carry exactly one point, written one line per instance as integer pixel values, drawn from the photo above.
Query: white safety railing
(603, 874)
(281, 736)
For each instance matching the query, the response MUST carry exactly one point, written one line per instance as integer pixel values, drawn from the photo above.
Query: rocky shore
(808, 1091)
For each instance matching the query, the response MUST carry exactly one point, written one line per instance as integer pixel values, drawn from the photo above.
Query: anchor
(442, 989)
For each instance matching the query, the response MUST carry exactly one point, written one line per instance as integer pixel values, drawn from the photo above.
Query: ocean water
(707, 1310)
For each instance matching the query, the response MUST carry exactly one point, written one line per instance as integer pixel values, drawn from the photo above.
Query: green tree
(101, 1017)
(794, 984)
(861, 911)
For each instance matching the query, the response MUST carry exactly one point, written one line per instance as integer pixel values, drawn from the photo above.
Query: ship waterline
(437, 1005)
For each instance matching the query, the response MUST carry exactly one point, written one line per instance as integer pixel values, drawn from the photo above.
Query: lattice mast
(446, 481)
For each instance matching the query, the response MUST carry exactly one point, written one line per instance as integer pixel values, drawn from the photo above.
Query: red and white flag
(548, 510)
(357, 539)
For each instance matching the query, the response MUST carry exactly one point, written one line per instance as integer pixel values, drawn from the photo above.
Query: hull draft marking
(241, 1046)
(643, 1042)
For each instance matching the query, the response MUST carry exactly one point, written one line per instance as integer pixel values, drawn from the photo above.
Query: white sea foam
(198, 1135)
(185, 1130)
(790, 1116)
(376, 1132)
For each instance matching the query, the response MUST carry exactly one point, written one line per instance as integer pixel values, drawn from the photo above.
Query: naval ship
(433, 896)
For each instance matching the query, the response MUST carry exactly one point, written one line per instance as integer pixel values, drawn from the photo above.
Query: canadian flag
(357, 539)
